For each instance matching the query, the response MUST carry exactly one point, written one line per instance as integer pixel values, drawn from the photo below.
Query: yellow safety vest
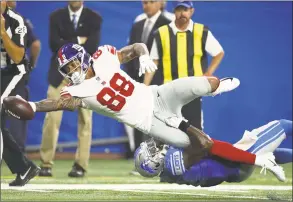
(182, 54)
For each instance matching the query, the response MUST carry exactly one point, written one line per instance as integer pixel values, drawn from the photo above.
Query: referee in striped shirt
(180, 49)
(13, 73)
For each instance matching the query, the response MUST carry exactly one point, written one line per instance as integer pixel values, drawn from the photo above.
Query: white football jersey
(111, 92)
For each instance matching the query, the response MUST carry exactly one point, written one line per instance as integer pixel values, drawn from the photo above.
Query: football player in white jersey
(98, 83)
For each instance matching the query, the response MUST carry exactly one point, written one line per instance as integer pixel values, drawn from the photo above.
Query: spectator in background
(81, 25)
(142, 31)
(170, 16)
(180, 49)
(18, 128)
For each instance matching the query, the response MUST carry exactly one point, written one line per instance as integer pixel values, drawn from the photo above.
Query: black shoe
(45, 172)
(76, 171)
(22, 179)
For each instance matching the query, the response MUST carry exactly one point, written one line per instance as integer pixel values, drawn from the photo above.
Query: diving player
(98, 83)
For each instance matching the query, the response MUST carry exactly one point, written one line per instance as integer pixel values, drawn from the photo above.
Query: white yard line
(170, 189)
(145, 187)
(39, 190)
(195, 194)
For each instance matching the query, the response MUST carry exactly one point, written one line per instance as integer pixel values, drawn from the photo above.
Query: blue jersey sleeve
(174, 164)
(173, 167)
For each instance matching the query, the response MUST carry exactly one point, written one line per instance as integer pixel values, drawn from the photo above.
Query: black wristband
(184, 125)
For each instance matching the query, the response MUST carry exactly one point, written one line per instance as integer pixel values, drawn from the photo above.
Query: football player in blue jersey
(168, 162)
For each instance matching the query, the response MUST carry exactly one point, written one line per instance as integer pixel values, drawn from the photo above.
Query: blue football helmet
(148, 159)
(74, 62)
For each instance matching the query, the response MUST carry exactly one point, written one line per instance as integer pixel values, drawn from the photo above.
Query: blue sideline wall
(257, 39)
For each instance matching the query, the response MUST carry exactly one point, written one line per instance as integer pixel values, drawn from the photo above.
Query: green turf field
(110, 180)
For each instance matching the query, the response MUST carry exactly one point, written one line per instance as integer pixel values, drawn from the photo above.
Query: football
(18, 108)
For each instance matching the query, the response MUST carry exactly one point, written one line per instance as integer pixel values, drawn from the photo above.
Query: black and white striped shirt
(17, 31)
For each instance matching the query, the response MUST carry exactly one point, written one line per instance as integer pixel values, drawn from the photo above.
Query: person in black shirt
(14, 69)
(18, 128)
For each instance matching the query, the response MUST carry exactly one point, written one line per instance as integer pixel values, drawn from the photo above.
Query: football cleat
(226, 84)
(268, 162)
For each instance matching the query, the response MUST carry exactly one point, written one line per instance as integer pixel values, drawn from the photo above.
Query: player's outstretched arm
(130, 52)
(63, 103)
(19, 108)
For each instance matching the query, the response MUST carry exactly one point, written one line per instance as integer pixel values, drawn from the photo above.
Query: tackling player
(98, 83)
(212, 170)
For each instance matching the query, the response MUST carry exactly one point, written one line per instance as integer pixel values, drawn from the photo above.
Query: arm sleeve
(154, 51)
(19, 32)
(108, 51)
(174, 162)
(155, 54)
(212, 47)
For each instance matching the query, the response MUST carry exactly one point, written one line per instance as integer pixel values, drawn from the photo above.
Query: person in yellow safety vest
(180, 49)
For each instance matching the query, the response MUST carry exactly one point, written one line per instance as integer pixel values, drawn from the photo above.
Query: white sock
(259, 161)
(265, 159)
